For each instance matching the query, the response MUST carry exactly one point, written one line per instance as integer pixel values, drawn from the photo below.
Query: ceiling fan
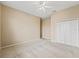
(42, 8)
(43, 5)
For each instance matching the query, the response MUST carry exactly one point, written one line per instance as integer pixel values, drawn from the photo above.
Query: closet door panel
(59, 35)
(67, 32)
(74, 32)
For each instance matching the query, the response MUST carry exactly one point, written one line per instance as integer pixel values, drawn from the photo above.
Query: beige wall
(46, 28)
(48, 25)
(61, 15)
(0, 26)
(18, 27)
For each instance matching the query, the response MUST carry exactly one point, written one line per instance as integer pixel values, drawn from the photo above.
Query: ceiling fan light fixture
(44, 3)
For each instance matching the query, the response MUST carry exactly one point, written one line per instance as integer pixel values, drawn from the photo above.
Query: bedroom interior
(39, 29)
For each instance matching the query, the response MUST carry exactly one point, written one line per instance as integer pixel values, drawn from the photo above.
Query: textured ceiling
(32, 7)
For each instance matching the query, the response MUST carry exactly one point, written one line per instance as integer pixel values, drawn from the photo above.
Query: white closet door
(74, 32)
(59, 32)
(67, 32)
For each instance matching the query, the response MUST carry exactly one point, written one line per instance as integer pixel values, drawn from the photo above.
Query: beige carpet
(40, 49)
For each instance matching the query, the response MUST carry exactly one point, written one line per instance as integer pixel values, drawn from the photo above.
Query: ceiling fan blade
(44, 9)
(44, 3)
(48, 7)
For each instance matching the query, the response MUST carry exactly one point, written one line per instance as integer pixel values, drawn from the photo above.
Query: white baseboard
(12, 45)
(17, 44)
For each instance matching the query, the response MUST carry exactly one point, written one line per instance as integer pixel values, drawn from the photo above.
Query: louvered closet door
(67, 32)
